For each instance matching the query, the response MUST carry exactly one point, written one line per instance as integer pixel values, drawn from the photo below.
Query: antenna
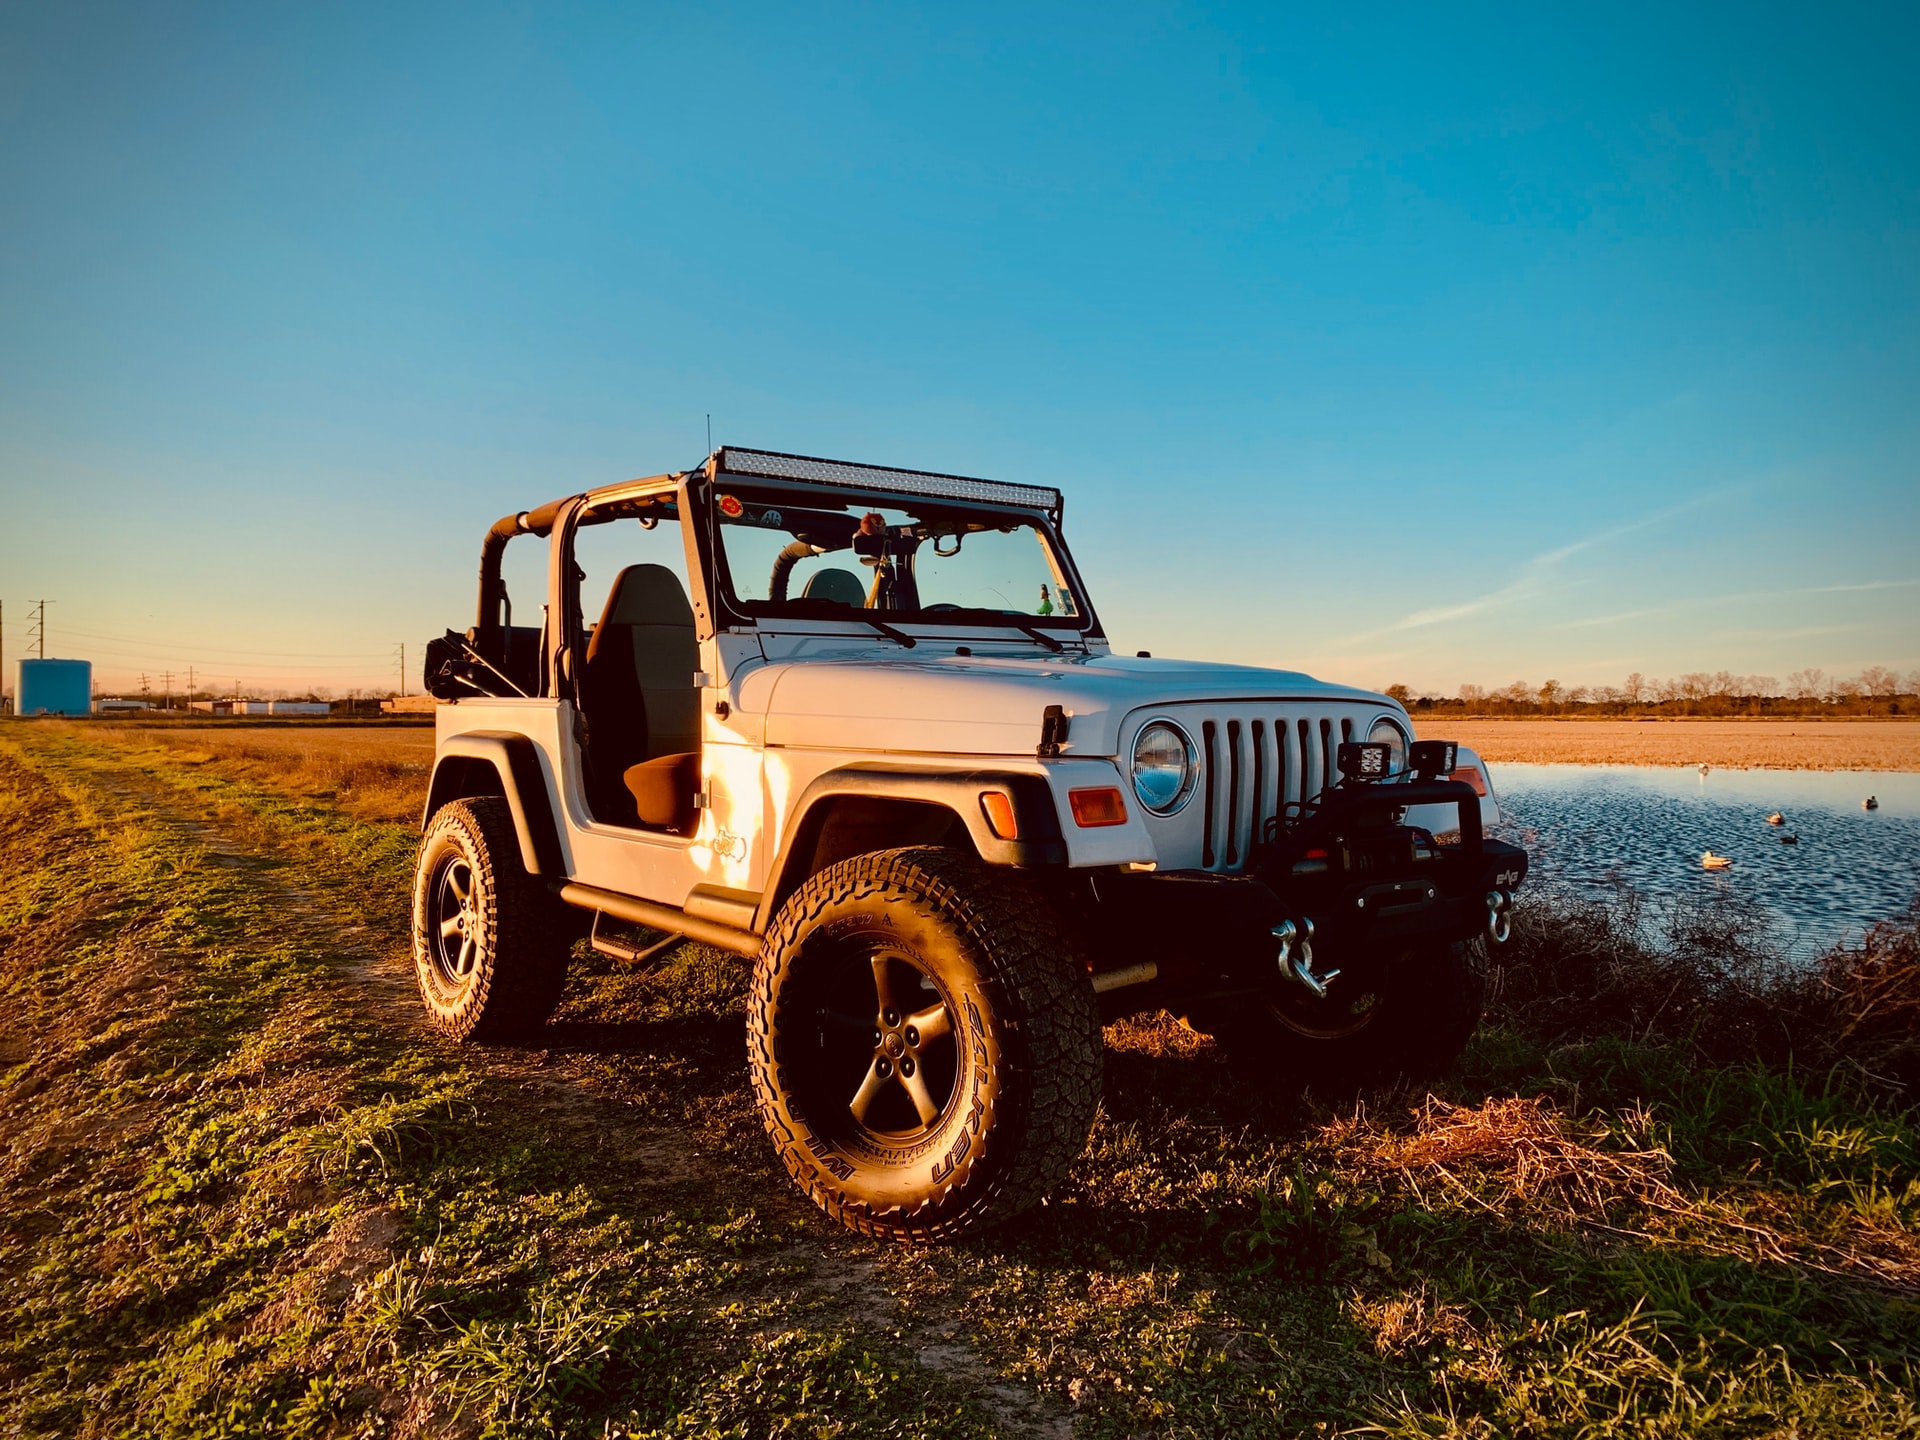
(709, 432)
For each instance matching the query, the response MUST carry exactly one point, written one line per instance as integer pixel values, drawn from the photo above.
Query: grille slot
(1256, 764)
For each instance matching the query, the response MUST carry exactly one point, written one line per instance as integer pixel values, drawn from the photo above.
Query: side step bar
(659, 917)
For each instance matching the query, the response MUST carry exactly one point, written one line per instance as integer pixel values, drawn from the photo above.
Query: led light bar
(775, 466)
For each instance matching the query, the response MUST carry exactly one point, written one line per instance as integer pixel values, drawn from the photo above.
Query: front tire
(923, 1043)
(489, 943)
(1405, 1015)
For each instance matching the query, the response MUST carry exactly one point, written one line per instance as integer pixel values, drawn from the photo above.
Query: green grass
(245, 1192)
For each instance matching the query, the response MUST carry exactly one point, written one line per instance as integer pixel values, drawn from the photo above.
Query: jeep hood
(991, 705)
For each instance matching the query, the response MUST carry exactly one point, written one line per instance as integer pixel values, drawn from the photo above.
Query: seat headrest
(647, 595)
(840, 585)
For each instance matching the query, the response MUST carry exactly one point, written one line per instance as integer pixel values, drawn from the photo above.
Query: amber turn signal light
(1471, 774)
(1092, 808)
(999, 811)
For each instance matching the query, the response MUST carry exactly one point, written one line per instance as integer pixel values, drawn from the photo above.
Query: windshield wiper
(891, 633)
(1038, 634)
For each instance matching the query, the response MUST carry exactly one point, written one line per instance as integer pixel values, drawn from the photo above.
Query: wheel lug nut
(913, 1036)
(906, 1066)
(892, 1017)
(884, 1066)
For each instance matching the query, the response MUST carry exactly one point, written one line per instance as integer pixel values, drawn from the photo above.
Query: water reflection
(1591, 828)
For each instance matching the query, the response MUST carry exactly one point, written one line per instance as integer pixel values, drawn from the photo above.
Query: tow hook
(1296, 956)
(1499, 916)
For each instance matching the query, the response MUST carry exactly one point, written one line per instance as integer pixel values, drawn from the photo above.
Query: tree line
(1876, 690)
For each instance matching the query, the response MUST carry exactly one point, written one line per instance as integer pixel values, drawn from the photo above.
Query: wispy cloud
(1533, 575)
(1696, 602)
(1794, 632)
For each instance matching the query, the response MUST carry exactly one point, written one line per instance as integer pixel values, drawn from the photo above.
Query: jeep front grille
(1252, 765)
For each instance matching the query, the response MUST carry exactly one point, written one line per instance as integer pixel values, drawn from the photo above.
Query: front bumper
(1351, 875)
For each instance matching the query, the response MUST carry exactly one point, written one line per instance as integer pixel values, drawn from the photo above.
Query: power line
(200, 649)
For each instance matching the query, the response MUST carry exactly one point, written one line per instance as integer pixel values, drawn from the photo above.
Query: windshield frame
(732, 611)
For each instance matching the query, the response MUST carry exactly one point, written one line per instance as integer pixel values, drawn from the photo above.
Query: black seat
(637, 688)
(840, 586)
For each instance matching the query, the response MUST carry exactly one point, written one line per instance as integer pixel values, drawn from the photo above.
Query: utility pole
(166, 679)
(189, 687)
(403, 669)
(3, 657)
(37, 635)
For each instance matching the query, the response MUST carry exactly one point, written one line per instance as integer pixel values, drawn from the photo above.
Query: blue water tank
(54, 687)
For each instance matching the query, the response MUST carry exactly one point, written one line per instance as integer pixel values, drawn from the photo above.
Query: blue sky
(1406, 346)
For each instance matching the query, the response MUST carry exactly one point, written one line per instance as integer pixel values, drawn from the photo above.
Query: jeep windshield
(809, 555)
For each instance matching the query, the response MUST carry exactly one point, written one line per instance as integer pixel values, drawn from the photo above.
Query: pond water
(1592, 828)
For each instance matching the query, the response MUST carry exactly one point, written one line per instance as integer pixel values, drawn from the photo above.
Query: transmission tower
(37, 631)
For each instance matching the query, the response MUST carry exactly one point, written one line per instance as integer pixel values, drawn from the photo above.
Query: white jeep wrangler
(862, 727)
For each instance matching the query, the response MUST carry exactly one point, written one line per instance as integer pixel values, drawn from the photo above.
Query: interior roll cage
(690, 496)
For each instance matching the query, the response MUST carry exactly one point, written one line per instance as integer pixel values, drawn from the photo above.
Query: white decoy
(1715, 862)
(1776, 818)
(1705, 768)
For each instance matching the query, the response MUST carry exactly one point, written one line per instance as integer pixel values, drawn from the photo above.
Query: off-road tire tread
(1034, 978)
(526, 941)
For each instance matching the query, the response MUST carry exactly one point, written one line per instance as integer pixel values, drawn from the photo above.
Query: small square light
(1093, 808)
(1364, 760)
(1429, 758)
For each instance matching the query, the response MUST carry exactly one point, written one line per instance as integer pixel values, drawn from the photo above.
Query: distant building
(253, 707)
(409, 705)
(298, 707)
(54, 687)
(118, 705)
(213, 707)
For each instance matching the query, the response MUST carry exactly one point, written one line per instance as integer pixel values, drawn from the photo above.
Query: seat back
(637, 684)
(842, 586)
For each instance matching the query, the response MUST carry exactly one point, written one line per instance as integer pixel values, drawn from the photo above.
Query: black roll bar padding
(537, 521)
(783, 564)
(492, 588)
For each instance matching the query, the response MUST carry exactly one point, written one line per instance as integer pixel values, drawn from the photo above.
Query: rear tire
(1404, 1017)
(923, 1043)
(490, 943)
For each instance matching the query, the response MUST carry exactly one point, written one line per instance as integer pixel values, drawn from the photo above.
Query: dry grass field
(1670, 1189)
(373, 772)
(1756, 744)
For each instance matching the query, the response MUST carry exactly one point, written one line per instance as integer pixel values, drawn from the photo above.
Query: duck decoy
(1715, 862)
(1870, 803)
(1776, 818)
(1789, 839)
(1705, 768)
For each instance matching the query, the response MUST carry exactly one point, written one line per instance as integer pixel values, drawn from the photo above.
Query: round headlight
(1164, 768)
(1387, 732)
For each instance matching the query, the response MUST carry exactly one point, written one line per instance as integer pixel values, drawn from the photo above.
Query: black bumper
(1366, 881)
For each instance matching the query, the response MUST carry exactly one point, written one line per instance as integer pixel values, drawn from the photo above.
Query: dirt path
(842, 1274)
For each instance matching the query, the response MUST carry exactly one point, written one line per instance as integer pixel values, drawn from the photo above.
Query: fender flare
(515, 760)
(1040, 843)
